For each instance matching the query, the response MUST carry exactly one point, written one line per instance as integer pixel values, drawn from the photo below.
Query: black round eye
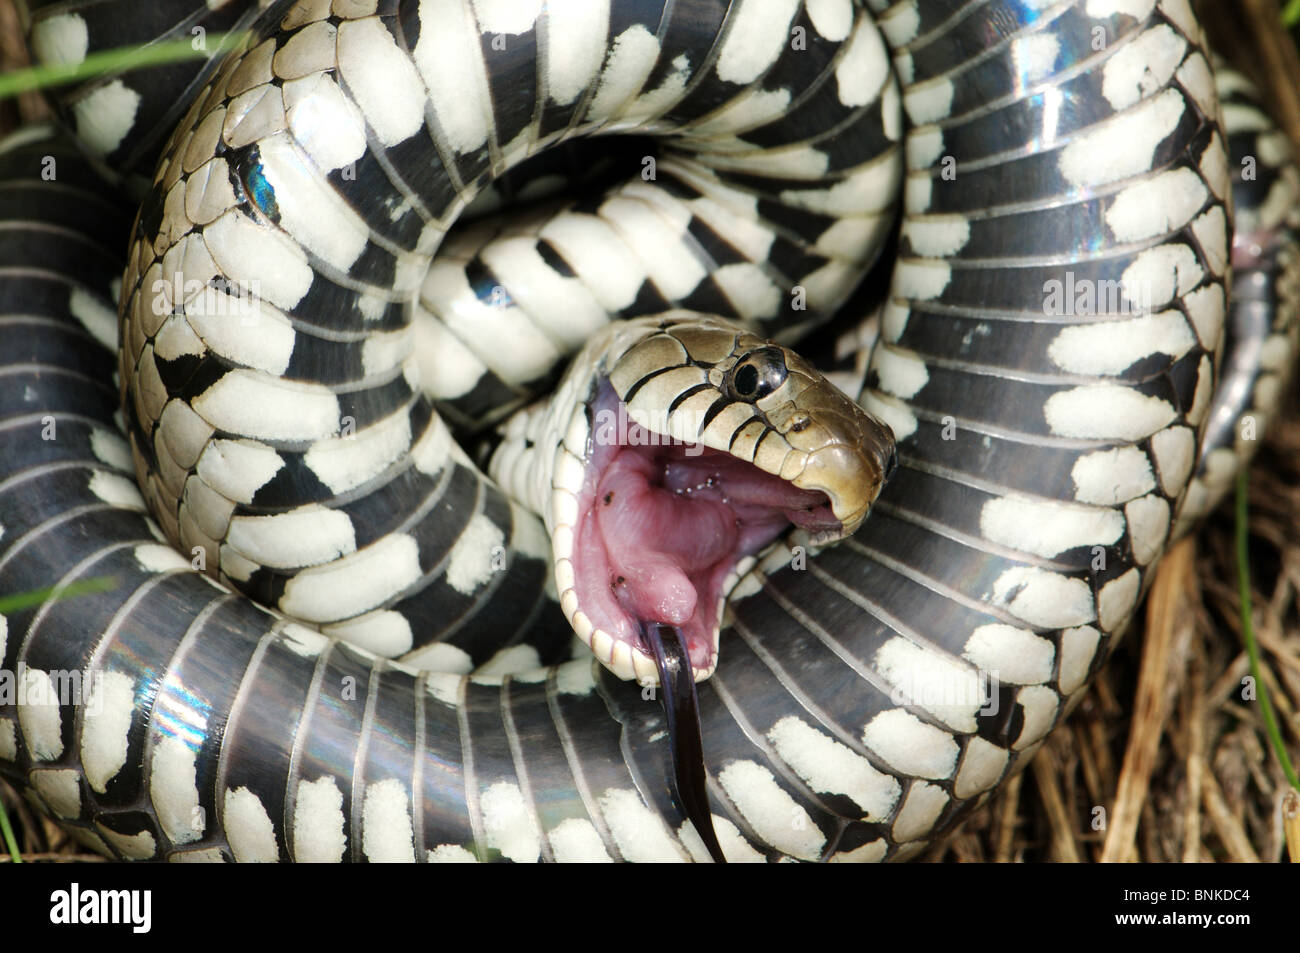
(758, 373)
(746, 380)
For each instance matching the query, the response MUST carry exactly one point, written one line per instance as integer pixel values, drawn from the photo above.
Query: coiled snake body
(868, 695)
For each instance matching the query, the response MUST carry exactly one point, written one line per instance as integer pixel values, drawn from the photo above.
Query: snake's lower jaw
(632, 663)
(636, 662)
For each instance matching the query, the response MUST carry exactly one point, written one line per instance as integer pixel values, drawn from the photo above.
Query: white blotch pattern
(385, 633)
(1043, 598)
(1035, 55)
(507, 823)
(899, 372)
(758, 32)
(327, 124)
(930, 101)
(445, 664)
(139, 846)
(173, 790)
(1106, 411)
(255, 257)
(112, 450)
(575, 840)
(354, 584)
(450, 854)
(735, 848)
(110, 705)
(310, 210)
(63, 38)
(1148, 524)
(937, 235)
(828, 766)
(771, 811)
(1174, 450)
(576, 36)
(381, 78)
(831, 18)
(302, 641)
(1040, 705)
(248, 828)
(305, 537)
(911, 746)
(922, 677)
(864, 67)
(1158, 274)
(924, 803)
(471, 561)
(244, 401)
(638, 831)
(1107, 477)
(450, 61)
(318, 836)
(115, 490)
(1111, 347)
(94, 316)
(1142, 66)
(1047, 527)
(104, 118)
(60, 790)
(1014, 655)
(981, 767)
(1116, 600)
(1078, 648)
(872, 852)
(206, 855)
(386, 833)
(1178, 194)
(893, 412)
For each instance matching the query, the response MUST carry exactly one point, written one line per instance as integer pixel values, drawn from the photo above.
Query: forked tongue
(681, 710)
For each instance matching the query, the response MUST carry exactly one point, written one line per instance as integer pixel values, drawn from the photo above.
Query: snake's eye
(757, 374)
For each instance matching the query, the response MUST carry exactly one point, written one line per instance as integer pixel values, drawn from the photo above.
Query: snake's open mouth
(660, 533)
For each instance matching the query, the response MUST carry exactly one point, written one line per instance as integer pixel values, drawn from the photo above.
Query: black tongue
(677, 682)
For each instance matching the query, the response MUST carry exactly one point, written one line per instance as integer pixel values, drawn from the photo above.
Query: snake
(1045, 356)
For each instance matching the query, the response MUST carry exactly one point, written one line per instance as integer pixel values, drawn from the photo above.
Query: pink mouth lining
(661, 525)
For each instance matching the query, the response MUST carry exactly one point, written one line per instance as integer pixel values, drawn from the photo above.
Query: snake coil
(1046, 358)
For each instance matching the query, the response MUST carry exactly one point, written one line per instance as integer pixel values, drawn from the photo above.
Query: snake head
(698, 446)
(820, 441)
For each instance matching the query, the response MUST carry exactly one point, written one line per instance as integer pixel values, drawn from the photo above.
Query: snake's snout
(849, 456)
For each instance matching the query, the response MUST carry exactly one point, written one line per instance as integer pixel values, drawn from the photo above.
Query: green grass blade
(1248, 633)
(8, 833)
(112, 61)
(26, 600)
